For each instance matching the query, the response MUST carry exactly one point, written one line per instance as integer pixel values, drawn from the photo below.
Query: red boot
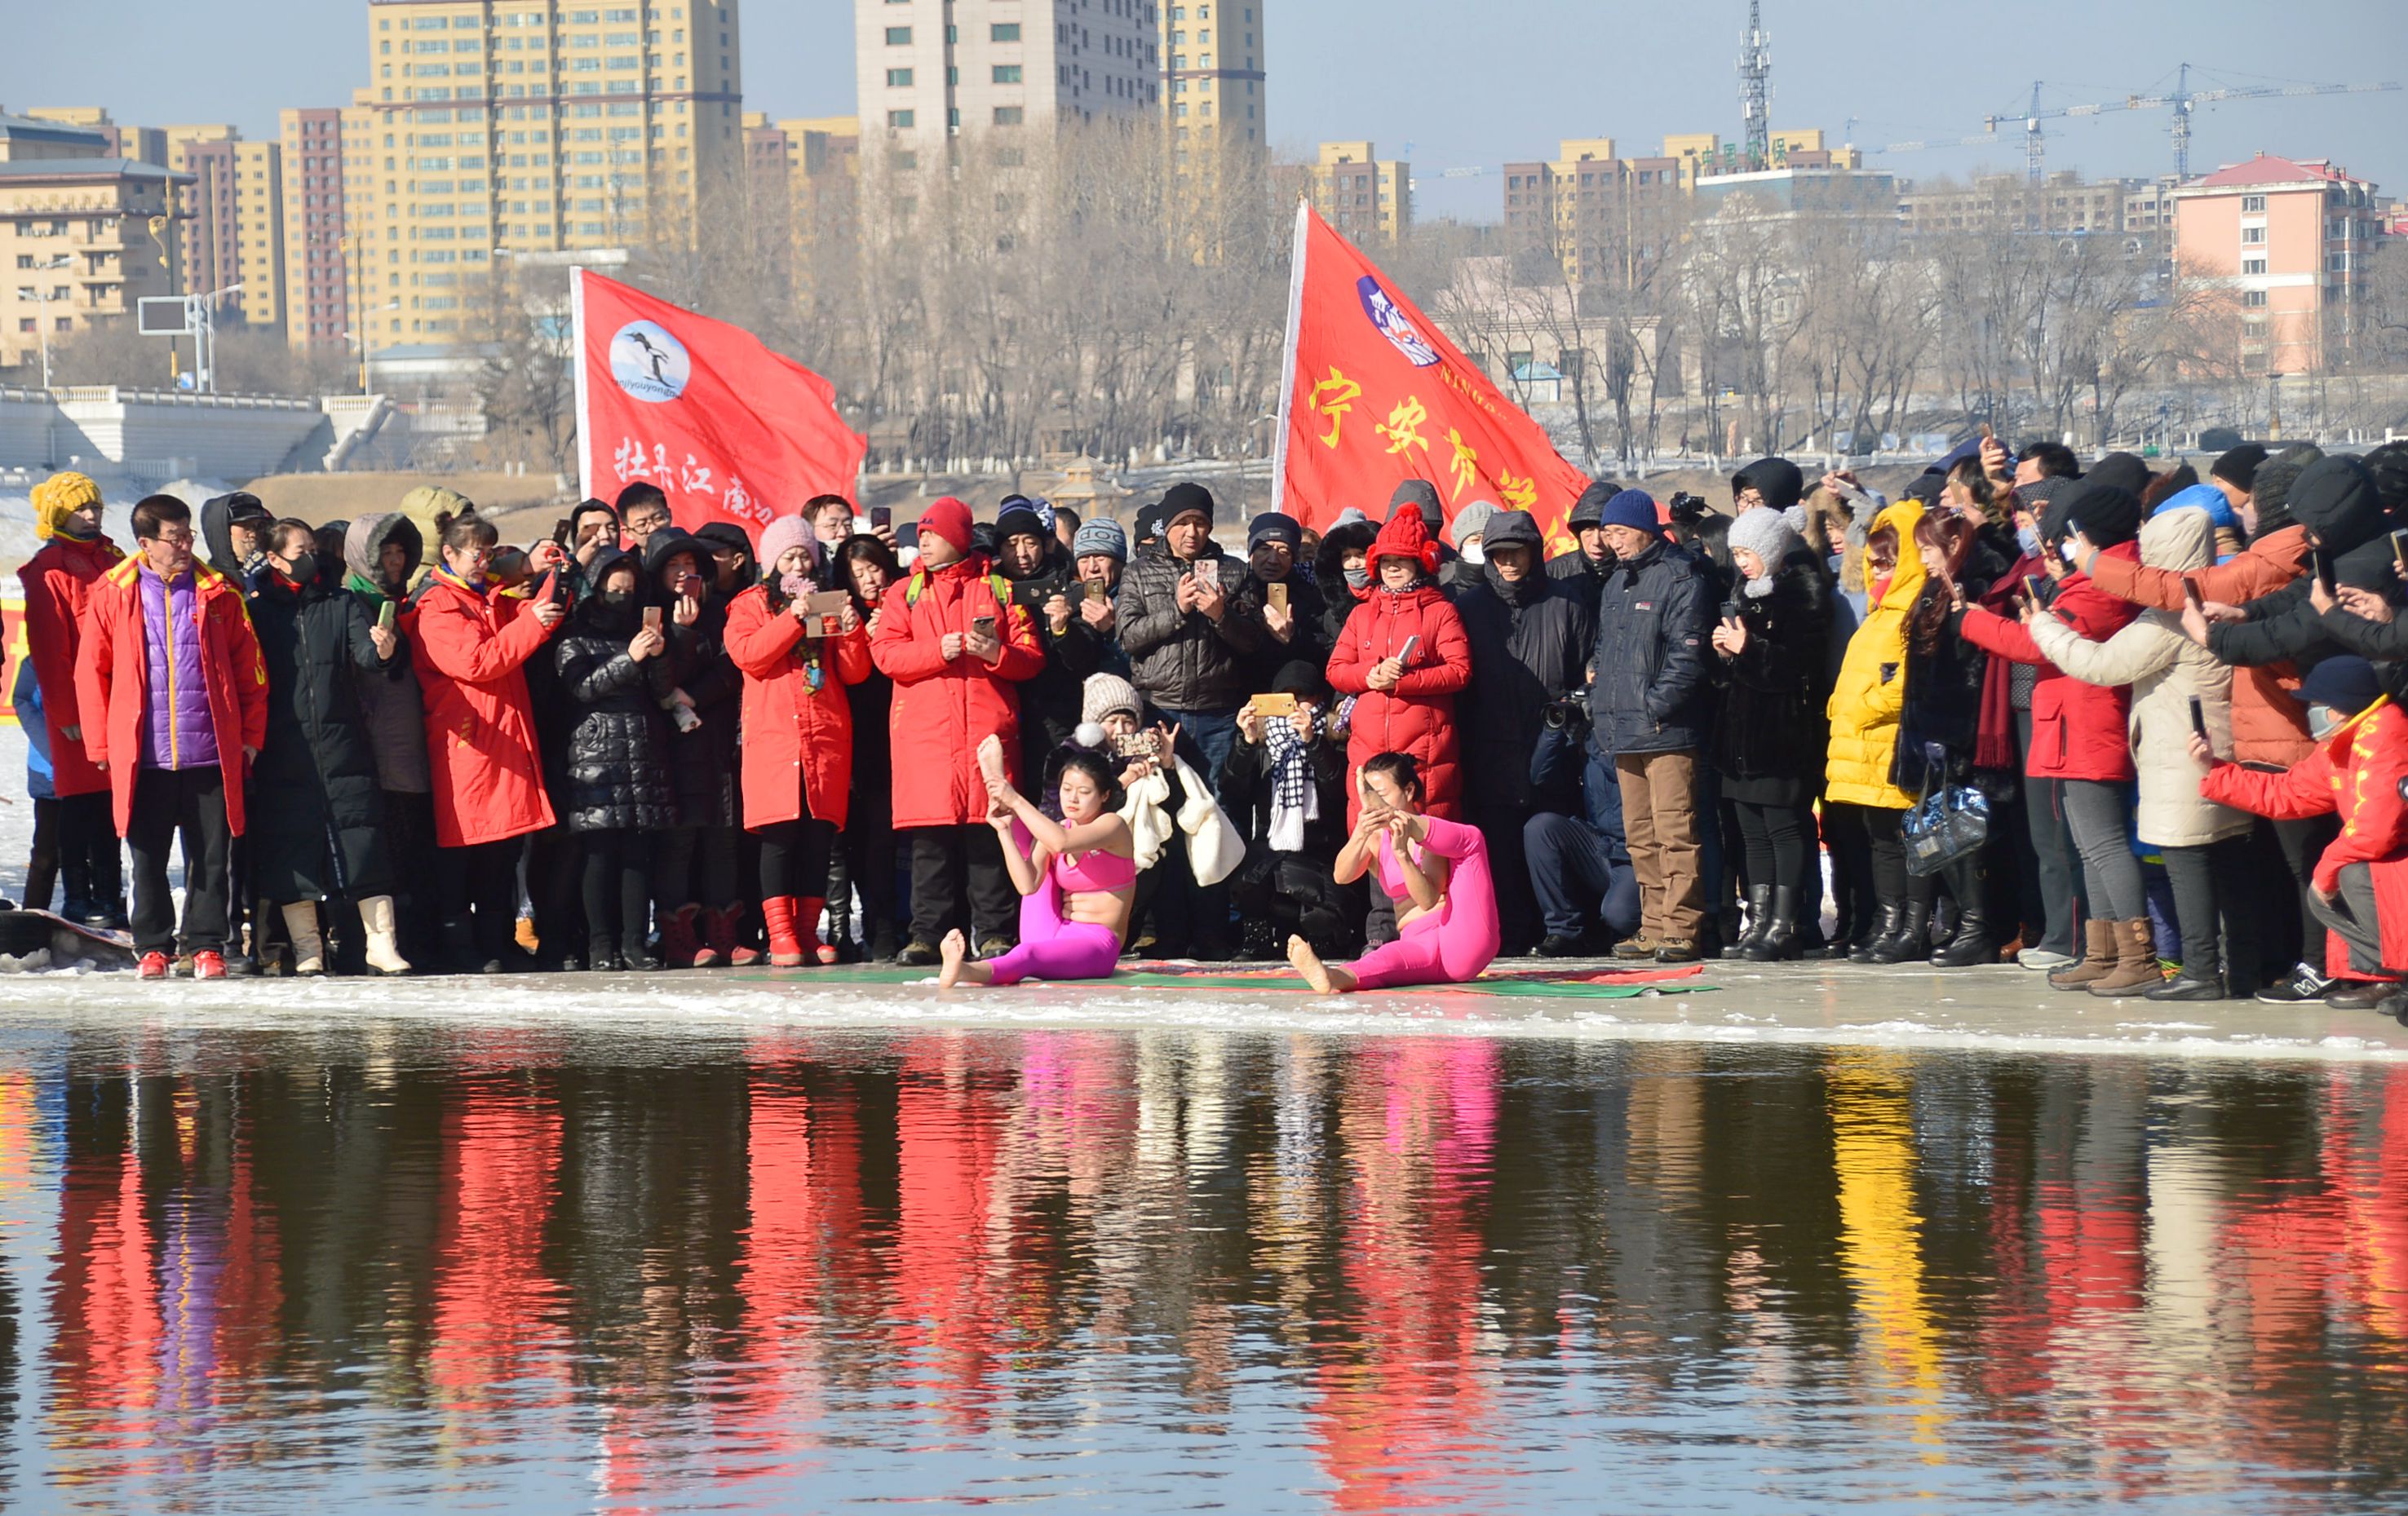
(806, 928)
(730, 948)
(785, 948)
(678, 947)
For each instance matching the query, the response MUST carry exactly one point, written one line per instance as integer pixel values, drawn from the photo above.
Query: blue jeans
(1577, 879)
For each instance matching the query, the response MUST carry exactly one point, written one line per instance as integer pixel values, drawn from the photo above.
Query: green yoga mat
(1564, 989)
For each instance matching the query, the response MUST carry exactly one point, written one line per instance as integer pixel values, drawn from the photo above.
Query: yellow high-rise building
(1363, 195)
(75, 233)
(508, 128)
(235, 236)
(316, 286)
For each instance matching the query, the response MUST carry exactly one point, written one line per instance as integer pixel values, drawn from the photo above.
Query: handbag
(1947, 823)
(1215, 847)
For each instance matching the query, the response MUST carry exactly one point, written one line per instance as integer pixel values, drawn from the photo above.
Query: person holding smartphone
(957, 649)
(616, 676)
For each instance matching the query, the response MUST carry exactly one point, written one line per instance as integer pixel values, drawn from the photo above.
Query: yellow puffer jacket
(1864, 705)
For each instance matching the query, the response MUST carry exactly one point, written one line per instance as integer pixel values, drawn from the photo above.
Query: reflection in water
(1161, 1270)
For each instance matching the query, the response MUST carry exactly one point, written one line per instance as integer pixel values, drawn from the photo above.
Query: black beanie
(1179, 499)
(1423, 495)
(1302, 676)
(2238, 465)
(2102, 513)
(1775, 478)
(2119, 471)
(2270, 492)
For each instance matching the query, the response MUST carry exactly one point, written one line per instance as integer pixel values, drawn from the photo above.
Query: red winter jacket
(797, 740)
(58, 585)
(470, 651)
(942, 710)
(113, 683)
(2078, 730)
(1418, 715)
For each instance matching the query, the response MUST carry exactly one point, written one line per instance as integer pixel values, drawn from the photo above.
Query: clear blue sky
(1464, 86)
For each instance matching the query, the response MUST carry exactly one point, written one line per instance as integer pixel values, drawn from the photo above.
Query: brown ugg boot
(2097, 961)
(2136, 963)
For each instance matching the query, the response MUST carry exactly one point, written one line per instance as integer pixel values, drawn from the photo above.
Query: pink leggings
(1053, 948)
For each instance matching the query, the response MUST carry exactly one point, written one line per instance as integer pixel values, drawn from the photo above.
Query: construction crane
(2182, 100)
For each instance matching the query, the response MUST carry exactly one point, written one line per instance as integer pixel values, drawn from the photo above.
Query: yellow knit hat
(58, 497)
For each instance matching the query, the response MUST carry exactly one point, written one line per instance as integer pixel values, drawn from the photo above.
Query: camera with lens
(1567, 714)
(1685, 507)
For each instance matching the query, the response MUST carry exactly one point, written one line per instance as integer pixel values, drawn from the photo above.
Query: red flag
(730, 429)
(1375, 395)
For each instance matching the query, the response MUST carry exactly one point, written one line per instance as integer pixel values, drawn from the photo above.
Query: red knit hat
(1404, 535)
(949, 519)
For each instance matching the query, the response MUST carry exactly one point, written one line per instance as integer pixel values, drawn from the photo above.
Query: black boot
(1759, 915)
(1780, 938)
(76, 868)
(601, 955)
(1888, 921)
(1970, 944)
(1913, 940)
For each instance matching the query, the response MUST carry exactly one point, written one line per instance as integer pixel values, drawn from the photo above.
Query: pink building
(2294, 240)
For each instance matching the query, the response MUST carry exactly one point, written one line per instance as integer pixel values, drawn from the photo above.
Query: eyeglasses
(174, 539)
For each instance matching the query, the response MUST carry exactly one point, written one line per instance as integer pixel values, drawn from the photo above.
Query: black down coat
(1529, 641)
(702, 762)
(1652, 692)
(1049, 703)
(616, 769)
(317, 811)
(1182, 659)
(1770, 744)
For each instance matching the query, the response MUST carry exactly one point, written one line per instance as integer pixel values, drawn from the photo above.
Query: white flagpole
(577, 357)
(1287, 368)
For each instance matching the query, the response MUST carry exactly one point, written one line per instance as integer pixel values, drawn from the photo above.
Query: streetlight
(43, 324)
(361, 336)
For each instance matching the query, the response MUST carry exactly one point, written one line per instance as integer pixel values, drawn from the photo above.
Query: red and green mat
(1580, 983)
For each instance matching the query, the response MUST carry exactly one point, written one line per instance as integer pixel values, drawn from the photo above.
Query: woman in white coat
(2205, 845)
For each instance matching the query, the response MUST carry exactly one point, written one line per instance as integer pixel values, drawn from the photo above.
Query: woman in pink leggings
(1076, 878)
(1437, 872)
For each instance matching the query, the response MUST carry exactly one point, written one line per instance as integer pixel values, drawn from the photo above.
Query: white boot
(383, 955)
(309, 949)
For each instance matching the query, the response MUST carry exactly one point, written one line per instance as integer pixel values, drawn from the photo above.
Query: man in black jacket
(1184, 630)
(1648, 698)
(1045, 581)
(1530, 636)
(1292, 631)
(1587, 564)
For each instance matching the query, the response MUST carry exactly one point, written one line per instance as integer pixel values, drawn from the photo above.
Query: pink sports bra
(1099, 873)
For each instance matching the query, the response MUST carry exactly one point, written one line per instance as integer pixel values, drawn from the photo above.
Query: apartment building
(84, 234)
(235, 237)
(2293, 239)
(1212, 65)
(930, 72)
(317, 278)
(1364, 195)
(508, 128)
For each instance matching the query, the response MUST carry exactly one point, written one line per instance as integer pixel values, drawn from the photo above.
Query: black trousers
(418, 905)
(190, 803)
(90, 854)
(1891, 881)
(618, 880)
(696, 865)
(958, 881)
(42, 862)
(484, 880)
(2214, 884)
(1509, 866)
(556, 873)
(795, 859)
(1774, 839)
(1852, 900)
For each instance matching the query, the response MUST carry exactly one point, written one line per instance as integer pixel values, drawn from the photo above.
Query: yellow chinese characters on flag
(1375, 395)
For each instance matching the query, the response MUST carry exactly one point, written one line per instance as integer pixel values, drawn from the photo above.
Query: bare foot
(952, 950)
(1308, 963)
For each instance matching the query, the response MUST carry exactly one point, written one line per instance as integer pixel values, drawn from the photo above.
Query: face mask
(305, 568)
(1474, 553)
(2321, 721)
(2027, 538)
(1357, 578)
(617, 602)
(2065, 549)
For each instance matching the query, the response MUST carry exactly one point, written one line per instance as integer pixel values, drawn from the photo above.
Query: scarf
(1295, 801)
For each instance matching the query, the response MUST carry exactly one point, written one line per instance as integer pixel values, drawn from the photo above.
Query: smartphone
(2198, 718)
(1273, 707)
(881, 517)
(2322, 556)
(385, 614)
(1207, 570)
(1096, 592)
(822, 610)
(2190, 592)
(1405, 654)
(1276, 595)
(690, 585)
(1730, 610)
(1135, 745)
(651, 618)
(983, 626)
(2031, 588)
(2400, 550)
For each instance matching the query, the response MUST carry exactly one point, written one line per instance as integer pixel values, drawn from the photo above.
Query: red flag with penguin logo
(730, 429)
(1375, 395)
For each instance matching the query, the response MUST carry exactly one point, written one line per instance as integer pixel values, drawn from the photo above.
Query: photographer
(1530, 636)
(1285, 788)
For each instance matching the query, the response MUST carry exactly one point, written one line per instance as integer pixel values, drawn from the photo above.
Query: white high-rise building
(936, 70)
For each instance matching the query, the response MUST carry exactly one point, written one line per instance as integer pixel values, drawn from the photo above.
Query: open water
(427, 1265)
